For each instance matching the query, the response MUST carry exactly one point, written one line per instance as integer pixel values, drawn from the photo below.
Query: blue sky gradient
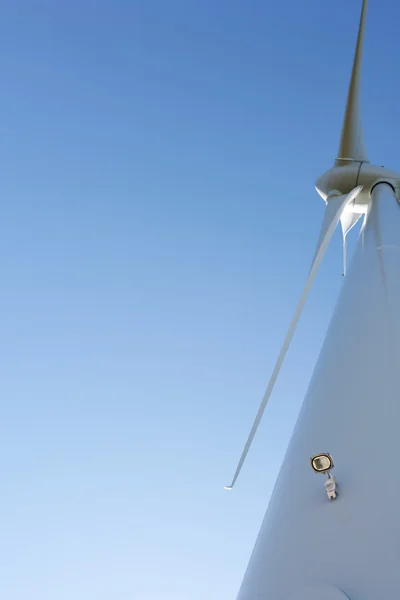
(158, 221)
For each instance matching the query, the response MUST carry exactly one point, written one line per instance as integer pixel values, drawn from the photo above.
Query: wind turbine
(310, 548)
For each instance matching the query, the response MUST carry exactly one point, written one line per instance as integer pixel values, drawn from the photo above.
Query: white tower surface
(352, 408)
(347, 545)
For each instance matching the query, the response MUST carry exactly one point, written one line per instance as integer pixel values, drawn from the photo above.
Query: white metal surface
(319, 592)
(352, 411)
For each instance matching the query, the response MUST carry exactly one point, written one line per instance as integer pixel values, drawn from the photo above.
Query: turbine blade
(348, 219)
(334, 209)
(352, 140)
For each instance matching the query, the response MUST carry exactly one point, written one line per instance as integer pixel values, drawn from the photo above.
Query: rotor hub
(346, 175)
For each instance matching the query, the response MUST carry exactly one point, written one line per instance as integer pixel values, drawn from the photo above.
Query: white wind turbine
(309, 548)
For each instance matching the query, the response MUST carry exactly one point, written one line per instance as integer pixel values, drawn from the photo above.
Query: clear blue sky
(158, 218)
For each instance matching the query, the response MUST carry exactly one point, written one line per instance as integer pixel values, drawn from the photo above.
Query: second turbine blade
(334, 210)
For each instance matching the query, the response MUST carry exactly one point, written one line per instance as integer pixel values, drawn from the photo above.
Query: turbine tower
(342, 541)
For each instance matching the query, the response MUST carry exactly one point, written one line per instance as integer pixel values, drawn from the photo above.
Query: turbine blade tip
(228, 488)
